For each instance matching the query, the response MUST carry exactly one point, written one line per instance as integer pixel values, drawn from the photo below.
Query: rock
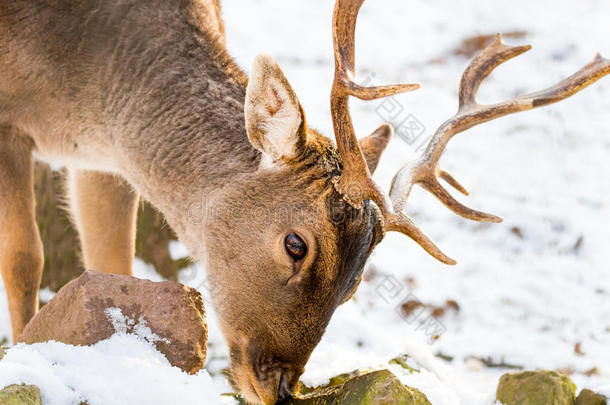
(20, 395)
(374, 388)
(541, 387)
(79, 315)
(588, 397)
(305, 390)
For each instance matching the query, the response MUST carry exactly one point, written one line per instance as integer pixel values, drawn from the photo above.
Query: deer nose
(284, 393)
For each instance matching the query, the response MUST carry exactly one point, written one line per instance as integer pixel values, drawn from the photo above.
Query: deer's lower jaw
(249, 392)
(259, 378)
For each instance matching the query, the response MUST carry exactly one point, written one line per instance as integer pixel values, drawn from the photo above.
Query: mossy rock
(401, 361)
(588, 397)
(2, 352)
(540, 387)
(20, 395)
(374, 388)
(333, 382)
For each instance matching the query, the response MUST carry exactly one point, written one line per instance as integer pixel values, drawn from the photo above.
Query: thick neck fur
(186, 115)
(182, 126)
(189, 117)
(142, 88)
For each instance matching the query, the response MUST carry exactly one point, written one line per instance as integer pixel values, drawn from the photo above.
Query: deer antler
(355, 182)
(425, 171)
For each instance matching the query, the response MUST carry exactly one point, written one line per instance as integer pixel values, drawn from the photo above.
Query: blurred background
(531, 292)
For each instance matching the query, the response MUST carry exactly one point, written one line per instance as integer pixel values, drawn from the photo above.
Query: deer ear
(373, 145)
(275, 122)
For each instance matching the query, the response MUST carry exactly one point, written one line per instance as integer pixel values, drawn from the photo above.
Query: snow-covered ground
(124, 369)
(533, 291)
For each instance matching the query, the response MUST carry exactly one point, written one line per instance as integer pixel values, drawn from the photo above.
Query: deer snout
(277, 385)
(262, 377)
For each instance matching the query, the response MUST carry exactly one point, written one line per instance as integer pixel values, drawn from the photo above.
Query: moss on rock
(333, 382)
(374, 388)
(588, 397)
(402, 361)
(541, 387)
(20, 395)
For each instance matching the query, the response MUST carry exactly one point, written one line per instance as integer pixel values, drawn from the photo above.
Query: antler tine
(482, 65)
(355, 183)
(425, 171)
(344, 28)
(400, 222)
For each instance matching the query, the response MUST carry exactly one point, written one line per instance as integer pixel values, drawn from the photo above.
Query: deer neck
(186, 138)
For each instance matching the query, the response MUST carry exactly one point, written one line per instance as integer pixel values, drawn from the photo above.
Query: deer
(141, 99)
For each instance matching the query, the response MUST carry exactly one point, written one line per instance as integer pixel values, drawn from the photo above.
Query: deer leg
(104, 207)
(21, 255)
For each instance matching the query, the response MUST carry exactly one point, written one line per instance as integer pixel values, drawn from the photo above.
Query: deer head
(293, 238)
(288, 249)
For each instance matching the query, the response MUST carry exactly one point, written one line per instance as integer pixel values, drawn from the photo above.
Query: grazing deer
(141, 98)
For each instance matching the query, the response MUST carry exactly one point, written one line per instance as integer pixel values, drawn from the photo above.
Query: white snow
(527, 293)
(123, 324)
(123, 369)
(177, 250)
(45, 294)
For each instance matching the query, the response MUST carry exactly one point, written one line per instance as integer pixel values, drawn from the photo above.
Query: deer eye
(295, 247)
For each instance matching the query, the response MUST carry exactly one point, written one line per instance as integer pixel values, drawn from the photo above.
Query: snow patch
(123, 324)
(124, 369)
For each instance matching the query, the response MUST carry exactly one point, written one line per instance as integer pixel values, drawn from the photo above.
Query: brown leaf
(591, 371)
(515, 230)
(410, 306)
(452, 304)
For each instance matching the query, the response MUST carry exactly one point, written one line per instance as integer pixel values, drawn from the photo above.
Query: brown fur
(141, 97)
(104, 208)
(21, 257)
